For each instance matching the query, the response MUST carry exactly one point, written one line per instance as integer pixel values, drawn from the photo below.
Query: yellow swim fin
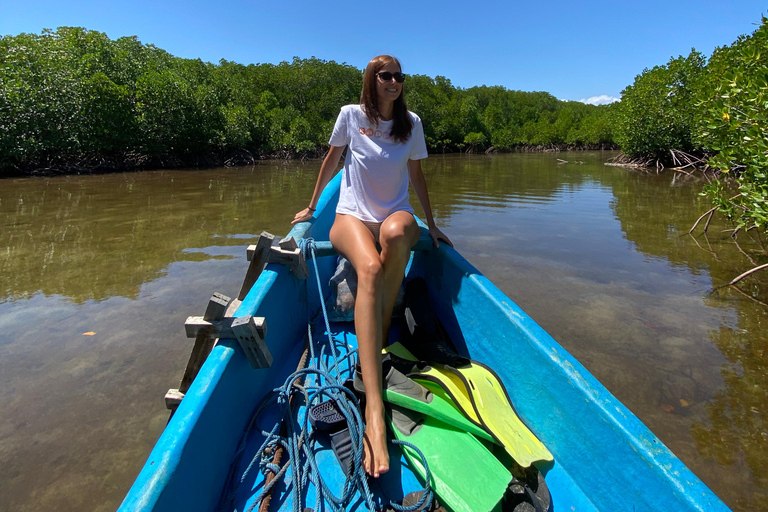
(478, 392)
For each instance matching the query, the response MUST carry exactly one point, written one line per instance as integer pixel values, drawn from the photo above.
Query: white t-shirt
(375, 181)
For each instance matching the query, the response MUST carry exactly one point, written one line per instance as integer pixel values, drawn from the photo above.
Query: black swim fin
(326, 417)
(424, 336)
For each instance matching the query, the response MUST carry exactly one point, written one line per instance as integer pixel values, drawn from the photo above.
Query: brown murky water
(98, 273)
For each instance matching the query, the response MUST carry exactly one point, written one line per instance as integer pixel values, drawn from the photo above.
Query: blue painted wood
(605, 458)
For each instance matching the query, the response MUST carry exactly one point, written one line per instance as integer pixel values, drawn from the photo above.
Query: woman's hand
(303, 215)
(436, 235)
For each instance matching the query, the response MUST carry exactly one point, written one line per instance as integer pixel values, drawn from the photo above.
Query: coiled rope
(322, 379)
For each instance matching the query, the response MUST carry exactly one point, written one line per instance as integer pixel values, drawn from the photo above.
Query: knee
(370, 272)
(394, 236)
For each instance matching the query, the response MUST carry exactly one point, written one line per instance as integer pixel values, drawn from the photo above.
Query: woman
(386, 144)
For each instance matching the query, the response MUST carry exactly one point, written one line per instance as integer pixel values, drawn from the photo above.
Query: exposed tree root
(622, 160)
(679, 161)
(684, 160)
(748, 273)
(734, 281)
(240, 157)
(709, 212)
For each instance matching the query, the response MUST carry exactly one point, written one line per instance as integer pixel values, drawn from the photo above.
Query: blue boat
(605, 458)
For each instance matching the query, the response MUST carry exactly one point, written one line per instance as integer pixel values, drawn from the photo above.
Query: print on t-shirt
(370, 132)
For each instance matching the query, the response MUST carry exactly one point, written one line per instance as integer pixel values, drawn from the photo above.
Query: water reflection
(124, 259)
(599, 256)
(94, 237)
(738, 433)
(735, 432)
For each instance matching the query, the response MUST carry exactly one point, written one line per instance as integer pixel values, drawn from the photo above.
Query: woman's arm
(420, 186)
(330, 162)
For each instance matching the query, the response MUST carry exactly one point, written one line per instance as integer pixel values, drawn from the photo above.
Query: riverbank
(132, 162)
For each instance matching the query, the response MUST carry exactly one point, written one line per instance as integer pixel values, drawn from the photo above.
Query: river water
(98, 273)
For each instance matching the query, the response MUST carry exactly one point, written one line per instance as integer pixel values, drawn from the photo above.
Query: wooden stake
(250, 333)
(259, 260)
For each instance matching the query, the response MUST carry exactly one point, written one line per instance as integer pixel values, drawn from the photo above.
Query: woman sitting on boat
(374, 227)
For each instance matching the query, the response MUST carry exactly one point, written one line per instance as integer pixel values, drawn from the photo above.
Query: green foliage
(720, 110)
(657, 112)
(734, 125)
(73, 95)
(455, 118)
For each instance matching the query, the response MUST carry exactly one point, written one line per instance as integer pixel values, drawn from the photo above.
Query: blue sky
(573, 50)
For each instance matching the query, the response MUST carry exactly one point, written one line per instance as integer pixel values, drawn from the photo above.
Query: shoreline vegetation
(707, 117)
(74, 101)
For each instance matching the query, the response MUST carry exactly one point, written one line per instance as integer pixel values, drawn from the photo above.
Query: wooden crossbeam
(272, 249)
(196, 326)
(324, 248)
(218, 323)
(214, 313)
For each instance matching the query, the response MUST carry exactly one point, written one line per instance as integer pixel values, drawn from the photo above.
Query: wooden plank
(173, 398)
(290, 255)
(288, 244)
(203, 346)
(233, 307)
(283, 256)
(300, 269)
(251, 249)
(198, 326)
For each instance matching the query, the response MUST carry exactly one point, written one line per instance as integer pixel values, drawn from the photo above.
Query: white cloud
(603, 99)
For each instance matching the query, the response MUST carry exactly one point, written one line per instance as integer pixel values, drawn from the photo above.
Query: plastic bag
(343, 284)
(343, 292)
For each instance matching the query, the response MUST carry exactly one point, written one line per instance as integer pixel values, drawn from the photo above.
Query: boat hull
(605, 458)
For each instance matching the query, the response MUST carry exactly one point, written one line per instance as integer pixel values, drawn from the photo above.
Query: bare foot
(376, 459)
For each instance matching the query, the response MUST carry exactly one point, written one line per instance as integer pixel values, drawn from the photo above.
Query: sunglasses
(386, 76)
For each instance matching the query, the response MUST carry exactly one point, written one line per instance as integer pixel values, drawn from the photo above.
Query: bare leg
(352, 239)
(399, 233)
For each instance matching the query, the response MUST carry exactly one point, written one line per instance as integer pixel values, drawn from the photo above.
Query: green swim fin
(478, 392)
(464, 474)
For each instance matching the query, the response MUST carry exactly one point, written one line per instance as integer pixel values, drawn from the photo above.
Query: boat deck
(392, 486)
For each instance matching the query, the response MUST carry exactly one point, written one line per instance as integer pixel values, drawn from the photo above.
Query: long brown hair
(402, 125)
